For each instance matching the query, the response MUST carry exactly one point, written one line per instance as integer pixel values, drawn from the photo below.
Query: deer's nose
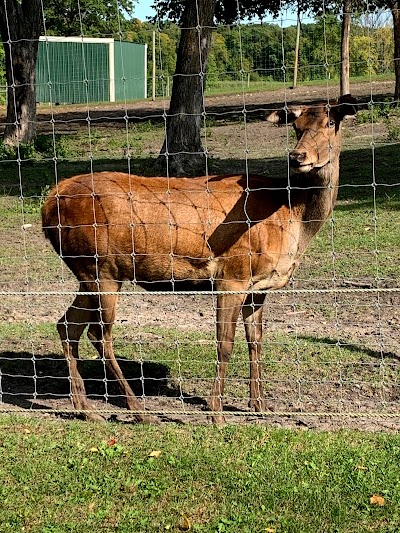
(297, 158)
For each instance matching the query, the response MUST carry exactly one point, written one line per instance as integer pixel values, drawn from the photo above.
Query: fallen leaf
(375, 499)
(185, 525)
(270, 530)
(94, 449)
(361, 467)
(155, 453)
(111, 442)
(26, 431)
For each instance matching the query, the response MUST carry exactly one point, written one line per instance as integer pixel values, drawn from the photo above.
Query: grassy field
(247, 85)
(331, 353)
(63, 477)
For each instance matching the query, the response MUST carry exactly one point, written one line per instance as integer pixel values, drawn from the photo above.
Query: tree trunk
(345, 49)
(396, 33)
(182, 149)
(20, 28)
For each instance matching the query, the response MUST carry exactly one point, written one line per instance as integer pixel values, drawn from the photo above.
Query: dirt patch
(228, 105)
(295, 397)
(221, 106)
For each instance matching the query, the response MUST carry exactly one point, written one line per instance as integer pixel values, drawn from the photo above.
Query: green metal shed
(82, 69)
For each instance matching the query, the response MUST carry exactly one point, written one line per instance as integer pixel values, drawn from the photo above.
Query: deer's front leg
(228, 309)
(252, 318)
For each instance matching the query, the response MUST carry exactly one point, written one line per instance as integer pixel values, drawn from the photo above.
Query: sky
(143, 10)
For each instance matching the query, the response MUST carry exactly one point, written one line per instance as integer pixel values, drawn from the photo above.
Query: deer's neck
(318, 198)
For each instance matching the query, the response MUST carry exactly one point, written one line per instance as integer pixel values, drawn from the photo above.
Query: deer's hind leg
(100, 334)
(70, 328)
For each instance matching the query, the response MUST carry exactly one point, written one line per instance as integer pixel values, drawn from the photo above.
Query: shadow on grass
(219, 112)
(363, 351)
(47, 378)
(365, 177)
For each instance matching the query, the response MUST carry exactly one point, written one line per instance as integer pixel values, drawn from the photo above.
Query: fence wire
(330, 343)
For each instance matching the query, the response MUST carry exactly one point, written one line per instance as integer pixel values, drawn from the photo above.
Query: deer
(240, 235)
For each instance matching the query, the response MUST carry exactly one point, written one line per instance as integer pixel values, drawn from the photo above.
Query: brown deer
(234, 232)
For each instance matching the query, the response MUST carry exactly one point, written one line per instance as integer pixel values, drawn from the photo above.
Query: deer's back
(155, 228)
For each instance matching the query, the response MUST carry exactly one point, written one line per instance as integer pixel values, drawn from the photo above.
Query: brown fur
(233, 232)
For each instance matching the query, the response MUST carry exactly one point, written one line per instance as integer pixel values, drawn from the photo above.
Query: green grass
(216, 87)
(239, 86)
(73, 476)
(360, 239)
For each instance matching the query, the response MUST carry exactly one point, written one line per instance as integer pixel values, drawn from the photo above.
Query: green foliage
(320, 49)
(375, 113)
(44, 145)
(86, 17)
(20, 152)
(165, 51)
(254, 52)
(41, 148)
(394, 132)
(363, 56)
(387, 113)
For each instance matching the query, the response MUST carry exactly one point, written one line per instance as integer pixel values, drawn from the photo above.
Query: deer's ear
(347, 105)
(284, 116)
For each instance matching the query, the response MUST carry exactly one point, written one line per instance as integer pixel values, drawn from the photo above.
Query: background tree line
(256, 50)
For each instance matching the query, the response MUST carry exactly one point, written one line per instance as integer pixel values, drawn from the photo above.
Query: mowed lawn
(63, 476)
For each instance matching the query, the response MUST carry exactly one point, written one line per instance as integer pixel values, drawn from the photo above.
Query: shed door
(130, 71)
(73, 72)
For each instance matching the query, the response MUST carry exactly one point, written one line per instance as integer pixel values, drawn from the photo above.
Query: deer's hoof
(217, 419)
(257, 405)
(147, 419)
(94, 417)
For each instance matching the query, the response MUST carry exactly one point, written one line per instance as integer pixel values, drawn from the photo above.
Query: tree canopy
(87, 17)
(225, 10)
(229, 11)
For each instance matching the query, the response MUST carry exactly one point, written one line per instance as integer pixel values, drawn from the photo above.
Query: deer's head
(318, 132)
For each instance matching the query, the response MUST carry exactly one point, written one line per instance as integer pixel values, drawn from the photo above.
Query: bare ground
(220, 105)
(368, 322)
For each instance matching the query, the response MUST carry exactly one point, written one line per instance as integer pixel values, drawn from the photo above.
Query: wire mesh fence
(330, 343)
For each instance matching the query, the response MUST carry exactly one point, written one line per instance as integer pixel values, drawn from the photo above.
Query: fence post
(153, 92)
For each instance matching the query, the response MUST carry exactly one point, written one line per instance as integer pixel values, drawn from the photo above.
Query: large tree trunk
(20, 28)
(345, 49)
(182, 149)
(396, 33)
